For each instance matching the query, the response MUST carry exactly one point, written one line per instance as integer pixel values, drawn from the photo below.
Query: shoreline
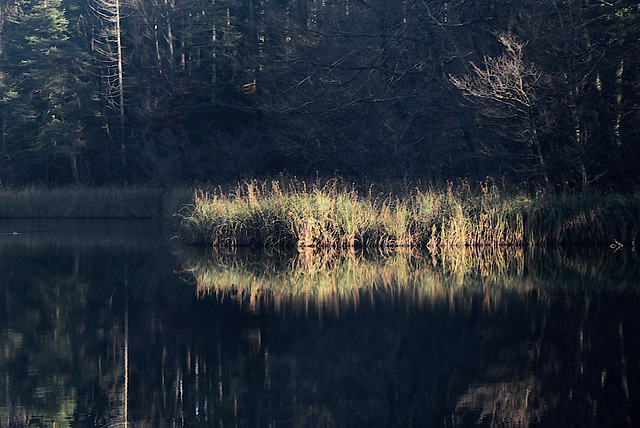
(332, 216)
(84, 202)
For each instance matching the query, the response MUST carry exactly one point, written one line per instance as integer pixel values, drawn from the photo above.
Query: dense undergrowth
(336, 216)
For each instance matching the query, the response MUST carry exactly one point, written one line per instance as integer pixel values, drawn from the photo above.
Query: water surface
(111, 323)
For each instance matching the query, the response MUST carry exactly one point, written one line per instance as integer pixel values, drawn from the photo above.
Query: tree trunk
(74, 164)
(618, 100)
(169, 38)
(118, 35)
(2, 12)
(536, 149)
(214, 65)
(110, 47)
(3, 134)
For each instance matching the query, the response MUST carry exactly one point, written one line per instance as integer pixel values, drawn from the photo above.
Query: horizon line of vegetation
(332, 215)
(336, 216)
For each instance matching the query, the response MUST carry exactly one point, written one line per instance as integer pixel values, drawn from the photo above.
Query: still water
(112, 323)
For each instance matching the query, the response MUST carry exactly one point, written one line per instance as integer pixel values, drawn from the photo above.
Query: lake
(113, 323)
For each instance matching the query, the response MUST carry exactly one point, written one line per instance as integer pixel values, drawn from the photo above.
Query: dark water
(113, 324)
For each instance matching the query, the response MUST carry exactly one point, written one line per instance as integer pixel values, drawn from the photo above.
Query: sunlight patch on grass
(337, 216)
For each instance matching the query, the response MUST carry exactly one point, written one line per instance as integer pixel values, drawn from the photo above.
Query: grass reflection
(326, 277)
(474, 336)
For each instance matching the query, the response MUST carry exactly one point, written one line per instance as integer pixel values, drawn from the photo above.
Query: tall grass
(335, 216)
(92, 202)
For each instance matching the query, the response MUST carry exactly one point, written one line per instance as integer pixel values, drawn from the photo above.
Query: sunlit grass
(92, 202)
(337, 216)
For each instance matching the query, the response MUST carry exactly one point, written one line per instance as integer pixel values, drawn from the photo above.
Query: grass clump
(336, 216)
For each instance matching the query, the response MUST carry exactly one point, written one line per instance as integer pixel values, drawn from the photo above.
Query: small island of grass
(341, 217)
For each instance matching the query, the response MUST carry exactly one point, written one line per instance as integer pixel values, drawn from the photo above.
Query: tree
(505, 87)
(110, 48)
(186, 55)
(354, 87)
(45, 92)
(224, 88)
(8, 13)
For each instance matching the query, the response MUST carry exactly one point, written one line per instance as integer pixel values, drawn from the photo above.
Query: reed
(92, 202)
(586, 218)
(337, 216)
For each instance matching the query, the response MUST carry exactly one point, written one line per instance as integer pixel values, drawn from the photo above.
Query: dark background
(180, 91)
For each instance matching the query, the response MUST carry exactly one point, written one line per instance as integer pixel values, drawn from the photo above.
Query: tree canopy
(171, 91)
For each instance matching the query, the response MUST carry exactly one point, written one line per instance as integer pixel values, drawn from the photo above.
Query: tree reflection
(445, 339)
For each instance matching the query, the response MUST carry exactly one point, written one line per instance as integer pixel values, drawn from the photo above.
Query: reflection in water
(336, 279)
(103, 330)
(456, 338)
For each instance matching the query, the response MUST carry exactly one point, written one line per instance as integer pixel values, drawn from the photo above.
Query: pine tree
(209, 41)
(45, 92)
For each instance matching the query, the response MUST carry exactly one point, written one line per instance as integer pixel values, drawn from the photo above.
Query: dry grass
(335, 216)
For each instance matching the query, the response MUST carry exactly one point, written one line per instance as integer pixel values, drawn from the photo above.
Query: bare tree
(505, 87)
(109, 46)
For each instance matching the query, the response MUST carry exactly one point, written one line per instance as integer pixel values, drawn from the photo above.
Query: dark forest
(534, 92)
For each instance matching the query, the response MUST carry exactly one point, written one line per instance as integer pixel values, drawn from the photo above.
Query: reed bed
(336, 216)
(92, 202)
